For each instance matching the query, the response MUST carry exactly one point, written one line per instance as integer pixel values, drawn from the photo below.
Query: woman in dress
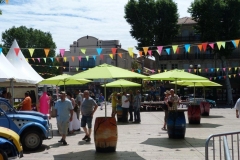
(74, 125)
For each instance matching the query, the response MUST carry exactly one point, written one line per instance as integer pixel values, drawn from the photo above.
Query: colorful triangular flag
(31, 50)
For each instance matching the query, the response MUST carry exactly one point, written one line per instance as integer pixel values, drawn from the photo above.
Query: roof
(186, 20)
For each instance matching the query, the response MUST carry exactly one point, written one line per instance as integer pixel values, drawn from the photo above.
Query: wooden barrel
(119, 113)
(205, 108)
(176, 125)
(194, 114)
(105, 134)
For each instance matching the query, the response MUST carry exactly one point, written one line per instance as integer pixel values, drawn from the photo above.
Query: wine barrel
(105, 134)
(119, 113)
(176, 124)
(194, 114)
(205, 108)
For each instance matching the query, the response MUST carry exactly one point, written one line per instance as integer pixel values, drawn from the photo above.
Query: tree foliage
(33, 38)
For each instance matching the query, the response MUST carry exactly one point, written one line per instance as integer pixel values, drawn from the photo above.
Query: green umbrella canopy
(106, 71)
(122, 83)
(196, 83)
(176, 75)
(63, 80)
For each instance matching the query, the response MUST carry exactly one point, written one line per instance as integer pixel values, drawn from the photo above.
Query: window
(174, 66)
(65, 66)
(84, 63)
(163, 67)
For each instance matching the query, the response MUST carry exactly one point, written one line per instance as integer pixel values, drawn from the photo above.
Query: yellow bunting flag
(219, 45)
(77, 68)
(223, 44)
(217, 69)
(87, 58)
(189, 49)
(140, 53)
(200, 70)
(31, 50)
(229, 76)
(45, 60)
(235, 68)
(65, 59)
(83, 50)
(120, 55)
(73, 58)
(174, 47)
(145, 49)
(111, 55)
(229, 68)
(165, 70)
(57, 67)
(46, 50)
(26, 59)
(200, 47)
(237, 42)
(130, 51)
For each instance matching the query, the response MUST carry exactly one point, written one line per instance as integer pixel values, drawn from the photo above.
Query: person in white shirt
(125, 107)
(78, 100)
(237, 107)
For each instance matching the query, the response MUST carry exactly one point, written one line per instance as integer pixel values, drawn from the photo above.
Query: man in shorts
(89, 106)
(64, 115)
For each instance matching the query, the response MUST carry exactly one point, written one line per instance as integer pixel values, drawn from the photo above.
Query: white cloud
(69, 20)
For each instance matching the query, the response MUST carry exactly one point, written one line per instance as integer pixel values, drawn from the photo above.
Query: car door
(4, 120)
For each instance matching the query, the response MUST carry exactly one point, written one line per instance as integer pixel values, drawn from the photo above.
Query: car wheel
(31, 140)
(3, 155)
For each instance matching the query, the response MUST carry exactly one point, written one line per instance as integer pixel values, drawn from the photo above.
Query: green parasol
(122, 83)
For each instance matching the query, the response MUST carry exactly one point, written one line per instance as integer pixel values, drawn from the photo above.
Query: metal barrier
(221, 149)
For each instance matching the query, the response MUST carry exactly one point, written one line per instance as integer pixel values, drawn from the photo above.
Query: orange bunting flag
(219, 45)
(111, 55)
(200, 47)
(237, 42)
(73, 58)
(140, 53)
(87, 58)
(17, 50)
(33, 59)
(130, 51)
(31, 50)
(145, 49)
(195, 70)
(234, 75)
(46, 50)
(45, 60)
(120, 55)
(83, 50)
(65, 59)
(229, 68)
(6, 1)
(174, 47)
(101, 56)
(114, 50)
(204, 46)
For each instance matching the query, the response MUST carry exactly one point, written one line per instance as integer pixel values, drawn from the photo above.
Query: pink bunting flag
(224, 69)
(17, 50)
(80, 58)
(62, 51)
(160, 49)
(101, 56)
(206, 70)
(210, 78)
(150, 52)
(189, 70)
(38, 60)
(211, 45)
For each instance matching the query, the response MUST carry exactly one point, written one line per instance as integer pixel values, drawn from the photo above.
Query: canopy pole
(105, 95)
(204, 92)
(175, 85)
(194, 91)
(12, 91)
(64, 86)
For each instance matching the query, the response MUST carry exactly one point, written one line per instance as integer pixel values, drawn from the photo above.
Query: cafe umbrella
(122, 83)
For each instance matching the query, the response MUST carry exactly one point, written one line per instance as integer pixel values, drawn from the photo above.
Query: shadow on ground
(92, 154)
(175, 143)
(55, 133)
(203, 125)
(213, 116)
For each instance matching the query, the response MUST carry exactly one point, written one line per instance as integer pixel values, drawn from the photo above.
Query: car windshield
(5, 107)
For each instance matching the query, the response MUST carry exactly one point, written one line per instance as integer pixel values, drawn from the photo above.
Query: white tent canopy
(20, 63)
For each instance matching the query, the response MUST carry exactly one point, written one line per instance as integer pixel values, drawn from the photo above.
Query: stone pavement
(141, 141)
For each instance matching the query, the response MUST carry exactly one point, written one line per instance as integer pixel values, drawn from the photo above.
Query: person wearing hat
(165, 108)
(64, 110)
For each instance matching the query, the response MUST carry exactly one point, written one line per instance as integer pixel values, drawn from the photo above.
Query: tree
(153, 22)
(33, 38)
(218, 20)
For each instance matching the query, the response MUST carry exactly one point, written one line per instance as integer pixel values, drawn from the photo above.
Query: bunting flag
(101, 56)
(38, 60)
(200, 47)
(80, 58)
(237, 42)
(45, 60)
(234, 43)
(217, 69)
(83, 50)
(195, 70)
(6, 1)
(234, 75)
(120, 55)
(187, 46)
(223, 44)
(229, 69)
(174, 47)
(77, 68)
(177, 51)
(200, 70)
(57, 59)
(87, 58)
(211, 45)
(111, 55)
(33, 59)
(206, 70)
(25, 59)
(64, 67)
(168, 50)
(130, 51)
(94, 57)
(17, 50)
(73, 58)
(31, 50)
(99, 51)
(145, 49)
(160, 49)
(219, 45)
(189, 70)
(204, 46)
(140, 53)
(51, 59)
(65, 59)
(114, 50)
(46, 50)
(0, 51)
(62, 51)
(235, 68)
(150, 52)
(224, 69)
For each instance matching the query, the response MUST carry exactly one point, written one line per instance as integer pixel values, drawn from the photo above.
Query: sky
(70, 20)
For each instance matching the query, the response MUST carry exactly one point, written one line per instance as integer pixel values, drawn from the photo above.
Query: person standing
(136, 107)
(173, 101)
(237, 107)
(26, 104)
(125, 107)
(165, 108)
(78, 104)
(131, 98)
(101, 100)
(162, 91)
(114, 103)
(64, 115)
(89, 106)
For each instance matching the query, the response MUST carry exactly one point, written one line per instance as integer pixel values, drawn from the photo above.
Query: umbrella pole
(64, 86)
(194, 91)
(176, 86)
(105, 95)
(204, 92)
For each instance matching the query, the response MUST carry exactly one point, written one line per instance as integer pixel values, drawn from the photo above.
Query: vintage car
(10, 146)
(32, 127)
